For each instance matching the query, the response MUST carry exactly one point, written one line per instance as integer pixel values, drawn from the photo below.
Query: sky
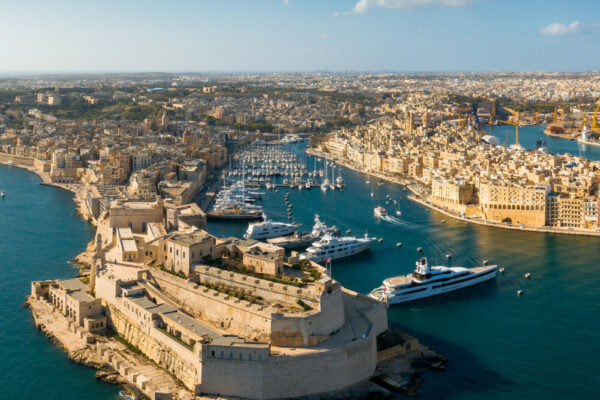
(299, 35)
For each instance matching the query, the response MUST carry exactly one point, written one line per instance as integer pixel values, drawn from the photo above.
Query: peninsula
(214, 316)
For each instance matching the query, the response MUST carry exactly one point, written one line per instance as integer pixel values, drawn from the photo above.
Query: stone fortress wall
(229, 368)
(253, 321)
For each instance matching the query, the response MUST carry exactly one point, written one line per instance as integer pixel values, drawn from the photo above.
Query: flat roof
(71, 284)
(191, 324)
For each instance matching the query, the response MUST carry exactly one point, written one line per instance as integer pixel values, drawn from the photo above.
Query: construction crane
(461, 121)
(170, 164)
(516, 125)
(595, 126)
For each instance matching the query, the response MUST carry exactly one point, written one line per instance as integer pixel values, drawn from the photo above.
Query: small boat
(528, 275)
(519, 292)
(2, 193)
(380, 212)
(501, 270)
(399, 244)
(380, 240)
(398, 212)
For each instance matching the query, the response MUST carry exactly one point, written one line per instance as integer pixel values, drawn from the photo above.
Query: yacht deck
(399, 280)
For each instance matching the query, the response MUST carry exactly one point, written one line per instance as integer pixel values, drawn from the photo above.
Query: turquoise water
(38, 234)
(542, 345)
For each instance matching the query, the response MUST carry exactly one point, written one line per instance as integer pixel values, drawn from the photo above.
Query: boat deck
(399, 280)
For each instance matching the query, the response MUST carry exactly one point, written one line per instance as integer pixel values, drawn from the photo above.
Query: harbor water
(542, 345)
(38, 235)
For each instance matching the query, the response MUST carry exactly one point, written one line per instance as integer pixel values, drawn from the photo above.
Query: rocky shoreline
(399, 373)
(83, 350)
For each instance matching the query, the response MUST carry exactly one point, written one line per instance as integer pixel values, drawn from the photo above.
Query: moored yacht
(331, 247)
(269, 229)
(428, 281)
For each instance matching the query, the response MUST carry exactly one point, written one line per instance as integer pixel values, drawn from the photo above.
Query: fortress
(224, 316)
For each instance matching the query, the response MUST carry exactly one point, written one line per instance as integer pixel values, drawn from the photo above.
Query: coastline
(400, 368)
(416, 197)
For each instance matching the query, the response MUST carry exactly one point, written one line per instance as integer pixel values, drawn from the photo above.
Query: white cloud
(558, 29)
(324, 36)
(336, 14)
(364, 5)
(285, 2)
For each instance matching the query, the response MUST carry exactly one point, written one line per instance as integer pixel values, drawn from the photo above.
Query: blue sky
(300, 35)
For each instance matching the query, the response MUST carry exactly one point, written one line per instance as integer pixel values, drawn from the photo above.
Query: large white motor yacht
(332, 247)
(269, 229)
(428, 281)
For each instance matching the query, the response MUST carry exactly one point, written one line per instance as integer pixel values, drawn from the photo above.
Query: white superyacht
(331, 247)
(269, 229)
(428, 281)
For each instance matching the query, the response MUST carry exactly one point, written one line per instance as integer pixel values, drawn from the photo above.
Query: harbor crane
(595, 126)
(516, 125)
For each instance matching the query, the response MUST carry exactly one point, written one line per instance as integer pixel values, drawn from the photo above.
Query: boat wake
(394, 220)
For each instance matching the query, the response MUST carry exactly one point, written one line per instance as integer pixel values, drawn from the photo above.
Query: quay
(417, 196)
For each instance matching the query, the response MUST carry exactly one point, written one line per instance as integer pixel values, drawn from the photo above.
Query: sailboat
(332, 183)
(325, 183)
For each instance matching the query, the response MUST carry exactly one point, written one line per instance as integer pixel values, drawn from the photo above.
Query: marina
(488, 359)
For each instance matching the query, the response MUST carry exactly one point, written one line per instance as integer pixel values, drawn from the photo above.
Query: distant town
(127, 136)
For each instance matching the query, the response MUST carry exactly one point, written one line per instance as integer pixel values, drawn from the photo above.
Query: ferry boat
(269, 229)
(380, 212)
(331, 247)
(428, 281)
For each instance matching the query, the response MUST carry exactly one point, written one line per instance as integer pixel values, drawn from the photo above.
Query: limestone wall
(252, 321)
(21, 160)
(238, 317)
(260, 287)
(164, 351)
(284, 376)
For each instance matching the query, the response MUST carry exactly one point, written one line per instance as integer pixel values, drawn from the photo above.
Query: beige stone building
(452, 194)
(518, 205)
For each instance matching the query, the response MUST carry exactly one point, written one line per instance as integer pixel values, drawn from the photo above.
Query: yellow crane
(516, 124)
(170, 164)
(595, 126)
(460, 119)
